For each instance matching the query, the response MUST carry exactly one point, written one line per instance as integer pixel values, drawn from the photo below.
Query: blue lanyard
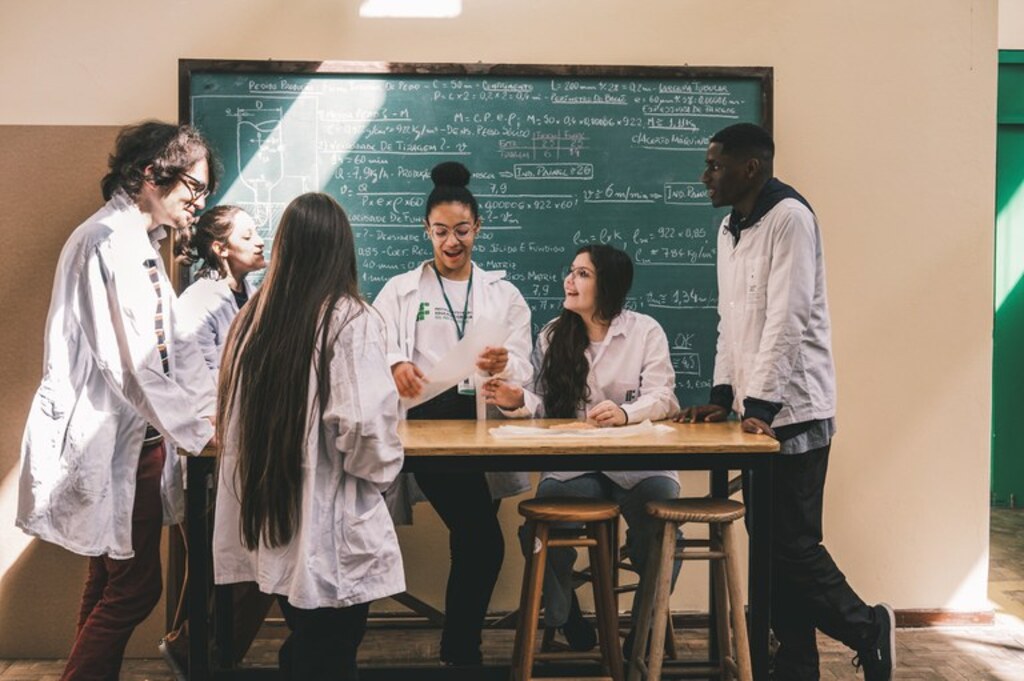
(460, 331)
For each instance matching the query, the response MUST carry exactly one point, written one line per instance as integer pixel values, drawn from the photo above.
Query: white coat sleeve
(129, 361)
(533, 401)
(657, 380)
(361, 411)
(195, 322)
(519, 370)
(387, 304)
(790, 293)
(723, 372)
(192, 370)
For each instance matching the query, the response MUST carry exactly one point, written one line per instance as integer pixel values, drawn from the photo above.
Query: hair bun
(450, 174)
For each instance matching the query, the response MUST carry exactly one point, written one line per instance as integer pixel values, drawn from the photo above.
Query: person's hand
(501, 393)
(705, 413)
(214, 443)
(492, 360)
(408, 379)
(606, 414)
(757, 426)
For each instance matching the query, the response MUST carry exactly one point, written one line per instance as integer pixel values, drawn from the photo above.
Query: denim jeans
(641, 532)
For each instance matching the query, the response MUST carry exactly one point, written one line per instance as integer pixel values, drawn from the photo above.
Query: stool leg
(638, 665)
(739, 619)
(718, 582)
(664, 591)
(529, 603)
(604, 599)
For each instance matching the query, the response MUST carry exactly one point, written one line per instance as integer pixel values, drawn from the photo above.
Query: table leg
(200, 480)
(759, 506)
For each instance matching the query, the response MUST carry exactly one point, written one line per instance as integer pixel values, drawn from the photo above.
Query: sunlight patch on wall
(274, 159)
(410, 9)
(1009, 246)
(12, 540)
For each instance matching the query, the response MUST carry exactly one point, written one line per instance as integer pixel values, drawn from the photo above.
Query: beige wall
(1011, 24)
(883, 116)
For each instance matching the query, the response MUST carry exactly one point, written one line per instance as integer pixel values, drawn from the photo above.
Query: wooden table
(468, 446)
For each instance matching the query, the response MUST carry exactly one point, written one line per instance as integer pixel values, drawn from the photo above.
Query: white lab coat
(774, 336)
(632, 368)
(345, 550)
(206, 310)
(102, 382)
(491, 297)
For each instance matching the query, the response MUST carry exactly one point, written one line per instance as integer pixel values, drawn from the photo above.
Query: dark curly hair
(564, 369)
(168, 150)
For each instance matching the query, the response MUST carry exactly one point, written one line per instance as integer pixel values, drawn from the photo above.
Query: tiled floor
(979, 653)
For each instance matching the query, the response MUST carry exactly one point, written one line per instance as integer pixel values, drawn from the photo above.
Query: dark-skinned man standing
(773, 367)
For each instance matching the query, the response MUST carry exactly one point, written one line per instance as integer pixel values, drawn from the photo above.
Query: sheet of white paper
(460, 361)
(644, 428)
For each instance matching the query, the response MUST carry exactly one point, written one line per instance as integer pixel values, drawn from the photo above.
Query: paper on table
(644, 428)
(460, 361)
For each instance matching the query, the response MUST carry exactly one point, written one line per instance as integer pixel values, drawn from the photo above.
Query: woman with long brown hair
(611, 366)
(310, 444)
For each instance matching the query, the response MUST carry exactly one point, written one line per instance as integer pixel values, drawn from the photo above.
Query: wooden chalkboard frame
(188, 67)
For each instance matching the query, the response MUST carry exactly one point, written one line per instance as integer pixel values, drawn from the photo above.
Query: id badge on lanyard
(466, 385)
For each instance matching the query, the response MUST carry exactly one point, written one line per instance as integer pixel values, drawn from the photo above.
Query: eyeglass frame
(200, 191)
(470, 231)
(571, 272)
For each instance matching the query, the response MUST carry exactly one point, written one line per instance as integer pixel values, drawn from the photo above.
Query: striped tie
(161, 337)
(153, 436)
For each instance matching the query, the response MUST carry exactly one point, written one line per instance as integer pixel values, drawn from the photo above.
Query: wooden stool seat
(568, 510)
(696, 510)
(598, 518)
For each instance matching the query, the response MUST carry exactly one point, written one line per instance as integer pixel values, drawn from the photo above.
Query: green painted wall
(1008, 334)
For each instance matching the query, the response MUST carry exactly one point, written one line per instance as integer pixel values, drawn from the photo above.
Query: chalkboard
(561, 156)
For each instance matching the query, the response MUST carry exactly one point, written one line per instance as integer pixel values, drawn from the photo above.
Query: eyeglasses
(441, 234)
(197, 189)
(579, 273)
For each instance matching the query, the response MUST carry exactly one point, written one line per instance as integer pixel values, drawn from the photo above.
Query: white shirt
(436, 329)
(345, 550)
(774, 336)
(102, 382)
(632, 368)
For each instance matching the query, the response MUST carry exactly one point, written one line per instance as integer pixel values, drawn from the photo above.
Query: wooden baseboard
(944, 618)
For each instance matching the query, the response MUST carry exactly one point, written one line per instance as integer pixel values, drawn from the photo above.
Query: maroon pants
(120, 594)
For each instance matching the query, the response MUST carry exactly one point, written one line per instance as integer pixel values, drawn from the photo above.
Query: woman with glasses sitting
(609, 366)
(428, 311)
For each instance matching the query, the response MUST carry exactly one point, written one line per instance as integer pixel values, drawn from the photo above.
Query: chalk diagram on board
(260, 155)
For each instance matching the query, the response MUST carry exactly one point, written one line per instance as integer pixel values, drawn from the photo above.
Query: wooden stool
(597, 517)
(719, 514)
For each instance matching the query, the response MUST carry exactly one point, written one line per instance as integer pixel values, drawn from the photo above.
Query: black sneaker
(579, 633)
(879, 660)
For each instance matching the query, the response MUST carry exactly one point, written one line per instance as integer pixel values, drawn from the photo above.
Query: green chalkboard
(561, 156)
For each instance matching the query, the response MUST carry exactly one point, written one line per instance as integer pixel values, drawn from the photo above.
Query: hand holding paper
(464, 358)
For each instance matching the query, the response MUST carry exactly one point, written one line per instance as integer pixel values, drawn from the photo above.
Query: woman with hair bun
(427, 311)
(229, 248)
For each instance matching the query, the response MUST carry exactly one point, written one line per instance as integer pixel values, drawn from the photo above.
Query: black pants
(809, 591)
(322, 643)
(477, 547)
